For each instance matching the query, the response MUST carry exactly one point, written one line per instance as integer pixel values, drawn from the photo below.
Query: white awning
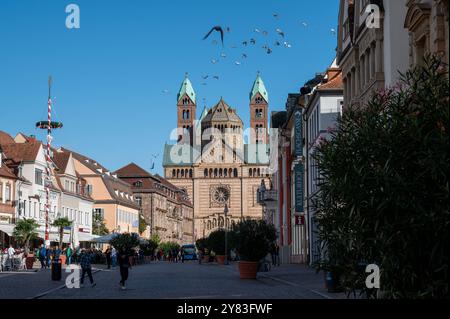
(8, 229)
(83, 237)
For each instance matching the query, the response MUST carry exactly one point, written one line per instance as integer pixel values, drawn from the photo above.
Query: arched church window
(174, 173)
(182, 173)
(206, 172)
(215, 172)
(250, 172)
(187, 115)
(235, 172)
(230, 172)
(220, 172)
(225, 172)
(190, 173)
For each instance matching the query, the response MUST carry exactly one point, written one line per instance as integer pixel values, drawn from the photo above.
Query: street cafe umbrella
(105, 239)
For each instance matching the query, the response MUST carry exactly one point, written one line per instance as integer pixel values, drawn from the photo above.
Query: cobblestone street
(162, 280)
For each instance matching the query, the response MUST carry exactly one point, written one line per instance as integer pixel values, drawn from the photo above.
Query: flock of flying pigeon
(279, 41)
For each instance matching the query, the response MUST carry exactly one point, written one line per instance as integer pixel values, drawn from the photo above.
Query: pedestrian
(43, 257)
(86, 267)
(48, 253)
(56, 253)
(11, 253)
(114, 257)
(182, 255)
(69, 254)
(200, 256)
(124, 265)
(108, 257)
(277, 254)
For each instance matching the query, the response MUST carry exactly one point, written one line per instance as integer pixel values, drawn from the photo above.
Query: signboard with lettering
(298, 133)
(299, 177)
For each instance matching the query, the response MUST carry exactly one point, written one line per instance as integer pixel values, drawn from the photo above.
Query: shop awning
(82, 237)
(8, 229)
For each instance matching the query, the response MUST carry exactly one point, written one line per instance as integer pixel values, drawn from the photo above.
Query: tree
(384, 194)
(125, 242)
(98, 225)
(61, 223)
(142, 224)
(25, 231)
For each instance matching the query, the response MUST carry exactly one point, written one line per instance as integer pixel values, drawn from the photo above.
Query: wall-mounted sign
(299, 193)
(299, 220)
(298, 133)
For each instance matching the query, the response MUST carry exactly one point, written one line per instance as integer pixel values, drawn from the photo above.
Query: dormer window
(138, 184)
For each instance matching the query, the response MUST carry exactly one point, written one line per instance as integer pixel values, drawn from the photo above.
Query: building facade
(323, 107)
(165, 208)
(212, 163)
(114, 201)
(373, 48)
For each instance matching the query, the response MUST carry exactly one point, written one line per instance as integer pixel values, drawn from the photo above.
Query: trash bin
(56, 270)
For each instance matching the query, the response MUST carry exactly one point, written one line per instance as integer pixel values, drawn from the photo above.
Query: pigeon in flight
(280, 32)
(265, 33)
(237, 63)
(214, 61)
(216, 77)
(245, 43)
(276, 15)
(223, 55)
(215, 29)
(257, 30)
(333, 31)
(244, 56)
(269, 50)
(253, 41)
(205, 77)
(305, 24)
(277, 43)
(287, 45)
(165, 91)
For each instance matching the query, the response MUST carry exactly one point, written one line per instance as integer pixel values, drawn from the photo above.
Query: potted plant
(125, 242)
(216, 241)
(202, 246)
(25, 231)
(252, 239)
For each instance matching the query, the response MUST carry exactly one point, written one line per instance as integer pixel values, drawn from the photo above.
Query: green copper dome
(186, 88)
(259, 87)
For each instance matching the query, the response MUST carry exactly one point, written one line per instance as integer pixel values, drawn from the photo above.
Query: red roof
(22, 152)
(5, 138)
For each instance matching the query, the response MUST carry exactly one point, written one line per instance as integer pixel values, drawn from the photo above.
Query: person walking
(48, 253)
(43, 257)
(114, 257)
(69, 254)
(124, 265)
(11, 253)
(108, 257)
(86, 267)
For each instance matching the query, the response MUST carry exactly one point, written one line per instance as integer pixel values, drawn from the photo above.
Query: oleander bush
(384, 188)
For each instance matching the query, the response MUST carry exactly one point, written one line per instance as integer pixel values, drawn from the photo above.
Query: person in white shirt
(11, 253)
(114, 257)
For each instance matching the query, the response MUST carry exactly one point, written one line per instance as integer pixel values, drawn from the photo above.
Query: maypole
(48, 125)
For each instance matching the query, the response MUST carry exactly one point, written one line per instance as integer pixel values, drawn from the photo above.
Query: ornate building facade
(211, 162)
(377, 39)
(165, 208)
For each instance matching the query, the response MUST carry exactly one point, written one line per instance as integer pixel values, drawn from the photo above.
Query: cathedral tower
(259, 105)
(187, 106)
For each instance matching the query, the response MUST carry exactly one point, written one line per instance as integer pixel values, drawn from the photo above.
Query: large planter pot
(248, 269)
(220, 259)
(29, 261)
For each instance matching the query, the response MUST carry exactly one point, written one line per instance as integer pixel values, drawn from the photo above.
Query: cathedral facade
(213, 164)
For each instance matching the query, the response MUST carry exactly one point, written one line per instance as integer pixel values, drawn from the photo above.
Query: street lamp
(225, 211)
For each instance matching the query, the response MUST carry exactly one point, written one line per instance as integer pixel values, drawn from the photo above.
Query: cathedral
(213, 164)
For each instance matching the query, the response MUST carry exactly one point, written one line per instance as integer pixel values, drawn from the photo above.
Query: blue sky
(109, 75)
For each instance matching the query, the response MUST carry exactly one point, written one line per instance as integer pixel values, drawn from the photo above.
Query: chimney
(332, 73)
